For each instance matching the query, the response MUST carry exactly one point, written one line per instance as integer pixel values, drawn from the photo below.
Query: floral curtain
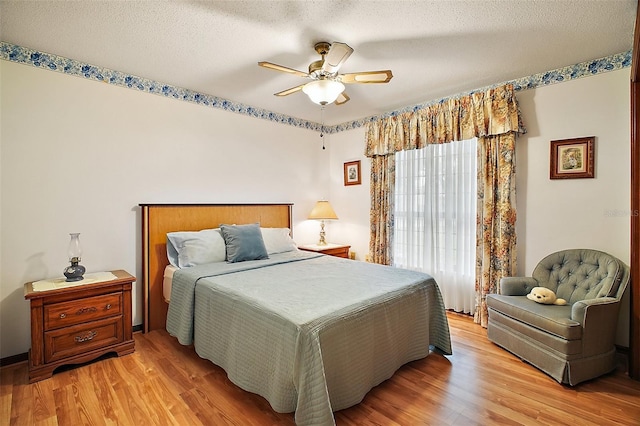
(381, 213)
(493, 117)
(496, 217)
(489, 113)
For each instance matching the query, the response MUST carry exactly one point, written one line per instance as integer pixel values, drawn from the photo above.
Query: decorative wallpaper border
(571, 72)
(24, 55)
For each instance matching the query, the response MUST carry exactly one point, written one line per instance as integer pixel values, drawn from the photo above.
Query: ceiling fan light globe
(323, 92)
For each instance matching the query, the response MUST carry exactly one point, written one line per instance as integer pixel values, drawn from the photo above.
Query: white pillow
(186, 249)
(278, 240)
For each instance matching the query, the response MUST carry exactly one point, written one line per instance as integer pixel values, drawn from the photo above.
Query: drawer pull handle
(85, 338)
(86, 310)
(108, 306)
(63, 315)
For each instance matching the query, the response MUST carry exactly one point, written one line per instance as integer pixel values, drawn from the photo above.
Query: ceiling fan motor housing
(315, 68)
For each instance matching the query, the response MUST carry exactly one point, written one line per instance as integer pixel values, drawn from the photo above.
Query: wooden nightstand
(73, 325)
(337, 250)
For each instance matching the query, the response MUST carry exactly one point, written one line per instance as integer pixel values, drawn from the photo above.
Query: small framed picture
(352, 173)
(572, 158)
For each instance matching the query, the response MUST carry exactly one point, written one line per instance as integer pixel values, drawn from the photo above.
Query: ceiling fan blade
(383, 76)
(342, 98)
(290, 91)
(337, 55)
(277, 67)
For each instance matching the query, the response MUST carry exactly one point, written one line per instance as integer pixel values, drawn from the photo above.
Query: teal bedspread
(310, 333)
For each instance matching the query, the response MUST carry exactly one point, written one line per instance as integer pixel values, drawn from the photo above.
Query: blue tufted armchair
(571, 343)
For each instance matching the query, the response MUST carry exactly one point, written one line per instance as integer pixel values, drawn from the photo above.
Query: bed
(310, 333)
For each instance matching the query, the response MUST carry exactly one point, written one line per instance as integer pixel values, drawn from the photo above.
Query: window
(435, 218)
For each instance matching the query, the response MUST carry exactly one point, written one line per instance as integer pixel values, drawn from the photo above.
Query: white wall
(79, 156)
(552, 215)
(352, 202)
(558, 214)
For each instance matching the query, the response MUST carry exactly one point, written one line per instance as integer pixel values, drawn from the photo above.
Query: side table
(77, 323)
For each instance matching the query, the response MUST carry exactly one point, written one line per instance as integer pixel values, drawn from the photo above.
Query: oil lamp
(75, 271)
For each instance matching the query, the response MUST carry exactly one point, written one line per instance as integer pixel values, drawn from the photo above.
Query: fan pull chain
(322, 125)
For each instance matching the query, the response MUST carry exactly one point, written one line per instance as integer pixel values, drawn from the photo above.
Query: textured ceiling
(434, 48)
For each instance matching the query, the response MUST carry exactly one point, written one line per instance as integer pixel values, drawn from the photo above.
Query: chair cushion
(553, 319)
(517, 334)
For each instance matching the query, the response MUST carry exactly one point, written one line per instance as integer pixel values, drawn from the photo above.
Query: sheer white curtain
(435, 218)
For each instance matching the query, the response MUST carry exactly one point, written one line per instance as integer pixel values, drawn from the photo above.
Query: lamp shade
(323, 92)
(322, 210)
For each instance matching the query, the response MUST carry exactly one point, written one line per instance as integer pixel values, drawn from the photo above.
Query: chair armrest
(517, 286)
(599, 319)
(588, 307)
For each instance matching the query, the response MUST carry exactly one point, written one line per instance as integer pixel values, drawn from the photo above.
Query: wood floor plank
(44, 408)
(165, 383)
(108, 403)
(206, 410)
(85, 398)
(66, 406)
(230, 398)
(6, 393)
(134, 407)
(158, 401)
(22, 401)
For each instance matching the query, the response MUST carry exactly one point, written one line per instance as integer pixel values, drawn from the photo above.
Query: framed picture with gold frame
(352, 173)
(572, 158)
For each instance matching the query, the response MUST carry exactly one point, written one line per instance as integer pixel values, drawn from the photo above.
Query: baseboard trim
(622, 350)
(14, 359)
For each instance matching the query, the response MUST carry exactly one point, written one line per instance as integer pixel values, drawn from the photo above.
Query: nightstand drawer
(337, 250)
(63, 314)
(66, 342)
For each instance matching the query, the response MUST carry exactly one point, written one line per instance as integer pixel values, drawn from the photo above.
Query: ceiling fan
(327, 86)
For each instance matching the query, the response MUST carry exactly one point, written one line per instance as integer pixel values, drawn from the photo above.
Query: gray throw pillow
(243, 242)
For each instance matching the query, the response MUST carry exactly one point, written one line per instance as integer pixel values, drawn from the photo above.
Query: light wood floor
(164, 383)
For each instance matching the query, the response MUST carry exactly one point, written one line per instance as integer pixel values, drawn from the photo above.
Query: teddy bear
(545, 296)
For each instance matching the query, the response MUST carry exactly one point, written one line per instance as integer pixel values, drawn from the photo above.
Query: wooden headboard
(159, 219)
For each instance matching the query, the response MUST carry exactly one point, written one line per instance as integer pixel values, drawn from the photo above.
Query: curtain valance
(489, 113)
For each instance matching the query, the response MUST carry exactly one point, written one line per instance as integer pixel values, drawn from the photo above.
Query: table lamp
(322, 211)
